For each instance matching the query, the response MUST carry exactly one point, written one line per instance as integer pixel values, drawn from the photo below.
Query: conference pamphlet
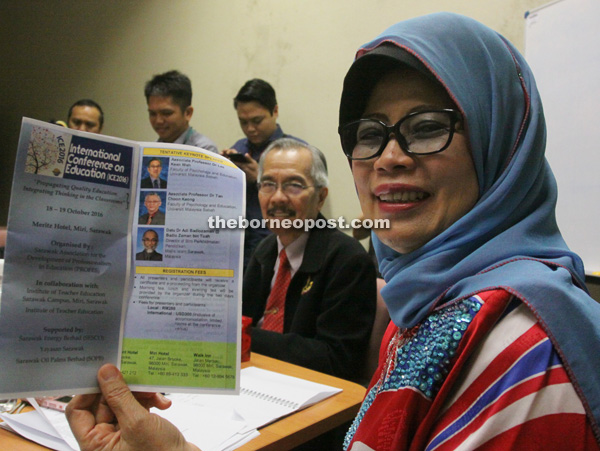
(110, 259)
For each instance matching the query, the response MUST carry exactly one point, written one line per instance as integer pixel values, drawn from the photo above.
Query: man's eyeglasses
(288, 188)
(151, 240)
(421, 133)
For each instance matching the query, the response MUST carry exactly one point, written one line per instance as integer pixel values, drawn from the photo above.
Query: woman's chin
(397, 242)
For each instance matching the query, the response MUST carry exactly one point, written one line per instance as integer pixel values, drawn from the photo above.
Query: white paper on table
(207, 428)
(58, 421)
(239, 440)
(33, 426)
(265, 396)
(51, 429)
(212, 422)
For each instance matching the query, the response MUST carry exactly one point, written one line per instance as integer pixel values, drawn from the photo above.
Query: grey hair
(318, 168)
(152, 193)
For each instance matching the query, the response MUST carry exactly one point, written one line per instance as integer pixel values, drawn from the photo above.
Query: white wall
(55, 52)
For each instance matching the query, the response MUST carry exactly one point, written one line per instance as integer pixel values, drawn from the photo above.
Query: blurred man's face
(167, 119)
(256, 121)
(85, 119)
(154, 168)
(290, 166)
(152, 202)
(150, 241)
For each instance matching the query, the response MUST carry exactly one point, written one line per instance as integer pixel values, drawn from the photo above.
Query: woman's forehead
(409, 87)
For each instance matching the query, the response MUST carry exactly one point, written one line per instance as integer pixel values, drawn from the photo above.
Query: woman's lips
(399, 197)
(404, 196)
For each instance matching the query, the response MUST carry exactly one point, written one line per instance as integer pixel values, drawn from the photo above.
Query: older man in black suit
(311, 294)
(153, 216)
(150, 243)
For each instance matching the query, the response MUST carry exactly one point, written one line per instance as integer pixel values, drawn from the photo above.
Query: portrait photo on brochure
(149, 244)
(152, 208)
(155, 173)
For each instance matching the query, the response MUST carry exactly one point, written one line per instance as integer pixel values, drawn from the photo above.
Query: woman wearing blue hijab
(493, 342)
(494, 339)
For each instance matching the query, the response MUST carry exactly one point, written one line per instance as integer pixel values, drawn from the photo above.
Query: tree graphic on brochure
(42, 150)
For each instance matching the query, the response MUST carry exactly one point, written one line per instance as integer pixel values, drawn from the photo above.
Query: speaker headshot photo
(149, 243)
(155, 173)
(152, 211)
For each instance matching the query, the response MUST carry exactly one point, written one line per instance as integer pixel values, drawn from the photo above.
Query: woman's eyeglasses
(420, 133)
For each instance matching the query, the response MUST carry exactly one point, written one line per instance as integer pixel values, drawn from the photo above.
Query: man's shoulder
(285, 135)
(335, 253)
(262, 256)
(330, 248)
(279, 133)
(336, 238)
(266, 244)
(158, 215)
(241, 145)
(199, 140)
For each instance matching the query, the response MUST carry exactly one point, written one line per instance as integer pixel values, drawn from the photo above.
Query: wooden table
(313, 421)
(281, 435)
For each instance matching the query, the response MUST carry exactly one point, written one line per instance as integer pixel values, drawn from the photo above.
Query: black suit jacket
(147, 183)
(151, 256)
(329, 307)
(157, 219)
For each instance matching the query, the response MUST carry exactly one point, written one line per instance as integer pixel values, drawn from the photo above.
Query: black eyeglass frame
(276, 186)
(394, 129)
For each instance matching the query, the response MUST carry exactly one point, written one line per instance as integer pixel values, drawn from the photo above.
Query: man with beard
(150, 242)
(311, 294)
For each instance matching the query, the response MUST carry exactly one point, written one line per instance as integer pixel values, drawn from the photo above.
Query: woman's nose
(393, 156)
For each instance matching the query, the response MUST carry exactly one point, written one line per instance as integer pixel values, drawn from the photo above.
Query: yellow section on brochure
(202, 272)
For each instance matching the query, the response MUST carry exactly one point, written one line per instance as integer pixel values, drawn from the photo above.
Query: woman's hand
(118, 419)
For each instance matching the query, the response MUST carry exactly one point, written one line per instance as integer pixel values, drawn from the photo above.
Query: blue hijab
(510, 239)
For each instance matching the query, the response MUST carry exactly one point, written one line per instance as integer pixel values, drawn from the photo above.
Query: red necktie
(276, 303)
